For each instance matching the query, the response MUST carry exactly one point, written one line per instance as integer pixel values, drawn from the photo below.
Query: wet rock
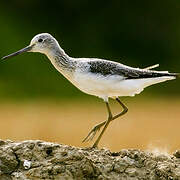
(8, 160)
(44, 160)
(177, 154)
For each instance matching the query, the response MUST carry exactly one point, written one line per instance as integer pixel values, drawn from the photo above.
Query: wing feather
(112, 68)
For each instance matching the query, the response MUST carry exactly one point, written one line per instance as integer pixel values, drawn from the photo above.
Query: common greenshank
(102, 78)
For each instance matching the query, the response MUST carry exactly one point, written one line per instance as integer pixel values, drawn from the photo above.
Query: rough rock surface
(43, 160)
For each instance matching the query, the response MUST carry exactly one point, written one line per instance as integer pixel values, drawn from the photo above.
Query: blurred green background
(37, 102)
(136, 33)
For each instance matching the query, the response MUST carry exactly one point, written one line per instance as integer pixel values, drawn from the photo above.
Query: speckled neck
(61, 61)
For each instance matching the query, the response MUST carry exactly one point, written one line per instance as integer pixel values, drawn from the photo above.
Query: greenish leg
(96, 128)
(105, 126)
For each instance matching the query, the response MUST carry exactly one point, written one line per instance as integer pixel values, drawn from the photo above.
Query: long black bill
(26, 49)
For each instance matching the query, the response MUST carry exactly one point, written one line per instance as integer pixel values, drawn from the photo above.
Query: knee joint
(125, 110)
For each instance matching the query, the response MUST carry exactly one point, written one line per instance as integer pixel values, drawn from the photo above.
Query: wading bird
(103, 78)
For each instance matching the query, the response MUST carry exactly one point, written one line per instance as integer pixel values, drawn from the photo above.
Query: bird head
(42, 43)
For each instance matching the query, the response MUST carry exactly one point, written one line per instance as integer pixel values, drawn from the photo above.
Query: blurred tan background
(36, 102)
(150, 123)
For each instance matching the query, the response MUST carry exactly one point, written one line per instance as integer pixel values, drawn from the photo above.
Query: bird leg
(105, 126)
(96, 128)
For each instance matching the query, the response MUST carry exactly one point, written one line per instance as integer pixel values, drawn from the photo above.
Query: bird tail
(166, 73)
(176, 75)
(162, 73)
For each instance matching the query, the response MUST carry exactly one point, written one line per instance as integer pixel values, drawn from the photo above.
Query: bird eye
(40, 40)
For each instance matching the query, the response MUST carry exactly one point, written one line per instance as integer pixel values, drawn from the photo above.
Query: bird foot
(92, 133)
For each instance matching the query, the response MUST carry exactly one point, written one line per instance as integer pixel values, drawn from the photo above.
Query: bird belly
(113, 85)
